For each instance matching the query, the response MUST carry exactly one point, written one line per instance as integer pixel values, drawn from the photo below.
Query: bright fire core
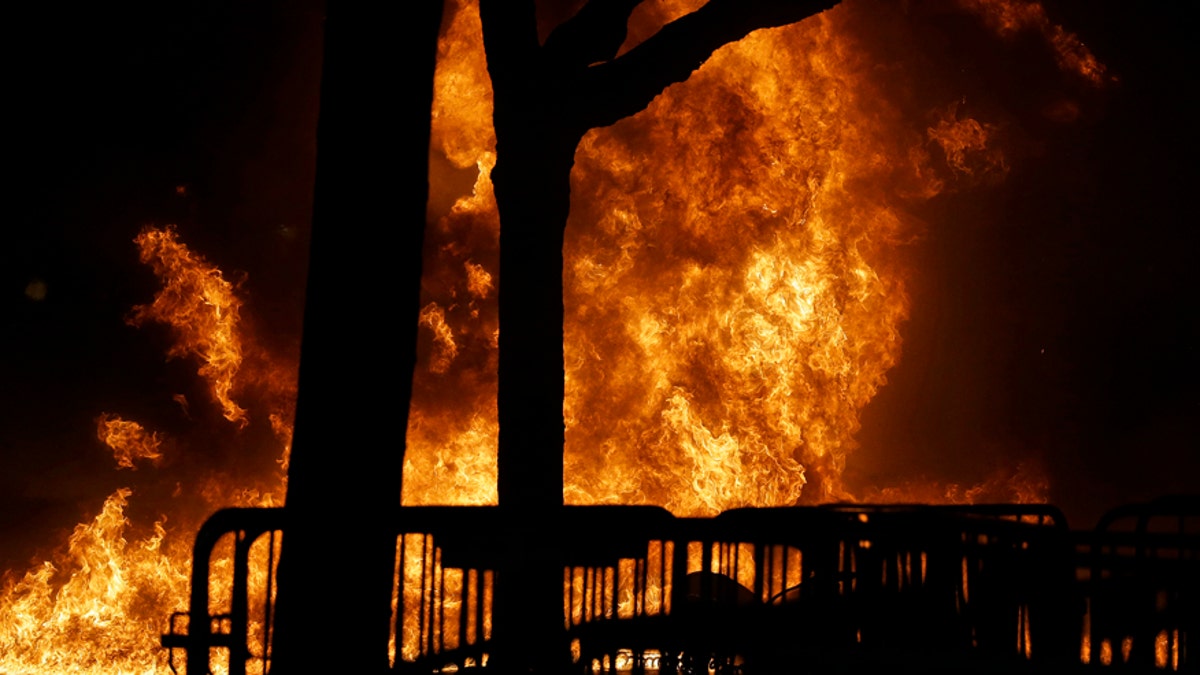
(735, 276)
(735, 291)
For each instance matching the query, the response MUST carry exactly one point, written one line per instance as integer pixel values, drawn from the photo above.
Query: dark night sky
(1088, 253)
(109, 109)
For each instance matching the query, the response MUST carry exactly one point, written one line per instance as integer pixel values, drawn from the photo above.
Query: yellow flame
(97, 607)
(730, 311)
(734, 276)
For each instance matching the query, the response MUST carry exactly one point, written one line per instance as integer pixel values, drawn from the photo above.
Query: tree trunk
(532, 181)
(336, 574)
(532, 193)
(356, 369)
(546, 98)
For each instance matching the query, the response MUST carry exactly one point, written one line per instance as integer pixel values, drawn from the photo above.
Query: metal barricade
(831, 589)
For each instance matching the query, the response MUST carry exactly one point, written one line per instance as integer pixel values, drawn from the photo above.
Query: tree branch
(593, 35)
(511, 43)
(609, 92)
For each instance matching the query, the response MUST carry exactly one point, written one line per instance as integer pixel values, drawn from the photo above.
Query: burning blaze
(735, 287)
(200, 306)
(735, 280)
(450, 454)
(100, 602)
(99, 606)
(128, 440)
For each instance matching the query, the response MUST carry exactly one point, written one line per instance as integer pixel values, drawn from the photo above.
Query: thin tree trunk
(356, 368)
(532, 181)
(546, 98)
(530, 398)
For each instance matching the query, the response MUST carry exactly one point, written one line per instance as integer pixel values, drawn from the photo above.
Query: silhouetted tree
(547, 96)
(365, 277)
(360, 336)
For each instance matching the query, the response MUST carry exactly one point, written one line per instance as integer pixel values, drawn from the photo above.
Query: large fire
(735, 282)
(735, 292)
(99, 604)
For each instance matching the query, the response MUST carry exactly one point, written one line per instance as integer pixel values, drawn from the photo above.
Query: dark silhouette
(365, 277)
(360, 331)
(546, 98)
(771, 591)
(890, 587)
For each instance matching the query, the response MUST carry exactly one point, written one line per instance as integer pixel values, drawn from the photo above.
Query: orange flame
(967, 144)
(434, 318)
(97, 607)
(735, 287)
(1010, 17)
(199, 304)
(735, 277)
(1026, 483)
(99, 604)
(128, 440)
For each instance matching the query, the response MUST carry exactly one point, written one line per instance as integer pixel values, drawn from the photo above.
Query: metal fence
(830, 589)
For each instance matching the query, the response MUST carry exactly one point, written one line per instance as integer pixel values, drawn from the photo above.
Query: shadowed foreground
(832, 589)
